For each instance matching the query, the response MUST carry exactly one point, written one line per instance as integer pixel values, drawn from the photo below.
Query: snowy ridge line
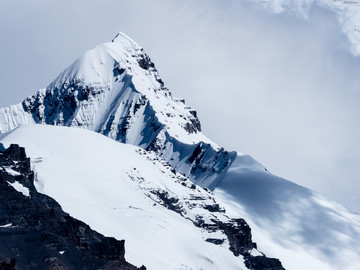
(301, 227)
(200, 207)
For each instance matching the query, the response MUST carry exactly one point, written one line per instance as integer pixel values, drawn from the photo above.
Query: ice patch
(20, 188)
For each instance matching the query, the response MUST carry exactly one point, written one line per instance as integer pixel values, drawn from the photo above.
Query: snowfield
(299, 226)
(96, 180)
(106, 184)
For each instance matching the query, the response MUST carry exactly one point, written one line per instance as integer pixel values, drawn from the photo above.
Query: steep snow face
(115, 89)
(13, 116)
(125, 192)
(108, 85)
(304, 229)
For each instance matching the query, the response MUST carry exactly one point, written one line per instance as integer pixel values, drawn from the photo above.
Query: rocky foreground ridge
(35, 233)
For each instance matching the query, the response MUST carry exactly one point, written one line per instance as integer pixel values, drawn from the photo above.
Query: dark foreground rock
(35, 233)
(262, 263)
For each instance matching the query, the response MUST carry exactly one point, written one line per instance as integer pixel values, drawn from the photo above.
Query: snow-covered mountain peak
(99, 65)
(125, 41)
(115, 89)
(91, 68)
(103, 79)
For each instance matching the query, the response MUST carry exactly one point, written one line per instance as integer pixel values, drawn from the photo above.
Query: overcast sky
(282, 86)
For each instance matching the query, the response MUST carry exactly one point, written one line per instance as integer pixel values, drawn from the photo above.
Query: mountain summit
(115, 89)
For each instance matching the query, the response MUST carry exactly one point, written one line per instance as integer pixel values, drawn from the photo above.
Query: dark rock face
(36, 232)
(8, 266)
(215, 241)
(145, 62)
(206, 161)
(169, 202)
(239, 236)
(57, 106)
(237, 231)
(262, 263)
(214, 208)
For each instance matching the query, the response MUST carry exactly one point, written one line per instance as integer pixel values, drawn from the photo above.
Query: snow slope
(13, 116)
(111, 186)
(300, 226)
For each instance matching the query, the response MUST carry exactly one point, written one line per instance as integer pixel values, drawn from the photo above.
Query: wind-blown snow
(347, 12)
(300, 226)
(106, 184)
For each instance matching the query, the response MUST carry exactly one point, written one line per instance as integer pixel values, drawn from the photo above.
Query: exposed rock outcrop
(202, 209)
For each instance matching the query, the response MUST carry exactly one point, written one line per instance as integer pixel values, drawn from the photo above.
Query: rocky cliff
(35, 233)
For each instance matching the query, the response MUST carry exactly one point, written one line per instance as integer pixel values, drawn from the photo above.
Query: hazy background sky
(282, 86)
